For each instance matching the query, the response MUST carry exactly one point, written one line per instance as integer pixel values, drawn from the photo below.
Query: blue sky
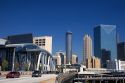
(55, 17)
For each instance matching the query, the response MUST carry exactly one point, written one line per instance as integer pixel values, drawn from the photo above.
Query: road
(27, 79)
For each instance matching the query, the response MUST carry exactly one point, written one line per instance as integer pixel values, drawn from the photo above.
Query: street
(27, 79)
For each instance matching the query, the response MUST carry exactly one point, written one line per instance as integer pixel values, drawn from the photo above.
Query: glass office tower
(105, 39)
(68, 47)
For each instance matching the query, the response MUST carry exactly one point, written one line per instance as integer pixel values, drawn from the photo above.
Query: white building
(116, 65)
(57, 60)
(74, 59)
(62, 56)
(44, 42)
(2, 41)
(87, 47)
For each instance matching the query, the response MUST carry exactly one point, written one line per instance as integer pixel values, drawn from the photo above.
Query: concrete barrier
(61, 78)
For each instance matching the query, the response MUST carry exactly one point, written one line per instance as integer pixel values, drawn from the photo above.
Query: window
(43, 44)
(40, 39)
(43, 40)
(36, 40)
(40, 42)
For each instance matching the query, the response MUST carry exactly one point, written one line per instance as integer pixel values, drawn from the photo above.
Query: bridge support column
(45, 63)
(116, 81)
(38, 62)
(13, 60)
(42, 62)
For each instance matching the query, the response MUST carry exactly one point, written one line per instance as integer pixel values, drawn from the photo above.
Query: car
(13, 74)
(36, 73)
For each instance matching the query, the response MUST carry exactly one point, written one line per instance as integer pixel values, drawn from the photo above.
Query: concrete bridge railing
(61, 78)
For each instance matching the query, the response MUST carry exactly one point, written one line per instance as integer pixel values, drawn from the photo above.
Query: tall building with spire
(87, 48)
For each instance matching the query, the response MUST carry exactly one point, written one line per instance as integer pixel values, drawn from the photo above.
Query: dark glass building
(106, 55)
(121, 51)
(68, 47)
(22, 38)
(62, 58)
(105, 38)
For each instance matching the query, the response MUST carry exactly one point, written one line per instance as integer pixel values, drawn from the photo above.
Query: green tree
(16, 66)
(4, 65)
(26, 66)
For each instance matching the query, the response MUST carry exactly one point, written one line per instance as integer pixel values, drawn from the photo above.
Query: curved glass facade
(25, 57)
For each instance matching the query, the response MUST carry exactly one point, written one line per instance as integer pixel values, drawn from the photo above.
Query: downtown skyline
(55, 18)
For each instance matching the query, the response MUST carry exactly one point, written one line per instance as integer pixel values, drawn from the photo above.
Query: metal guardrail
(106, 77)
(101, 78)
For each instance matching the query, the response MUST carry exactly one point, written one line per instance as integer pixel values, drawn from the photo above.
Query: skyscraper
(68, 47)
(121, 51)
(87, 47)
(105, 39)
